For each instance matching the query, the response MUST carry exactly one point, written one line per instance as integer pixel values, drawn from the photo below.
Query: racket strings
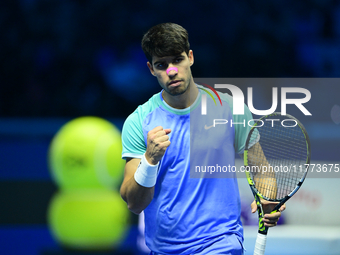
(262, 174)
(277, 160)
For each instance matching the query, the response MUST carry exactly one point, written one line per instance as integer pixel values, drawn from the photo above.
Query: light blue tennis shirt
(196, 205)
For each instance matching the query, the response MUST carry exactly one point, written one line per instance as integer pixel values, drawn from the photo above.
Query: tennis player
(165, 139)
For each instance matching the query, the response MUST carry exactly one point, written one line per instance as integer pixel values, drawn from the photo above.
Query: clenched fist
(157, 143)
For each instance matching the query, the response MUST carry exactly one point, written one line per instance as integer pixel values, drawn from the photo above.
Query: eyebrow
(159, 62)
(163, 60)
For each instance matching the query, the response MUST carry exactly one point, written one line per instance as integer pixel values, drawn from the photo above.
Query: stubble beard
(179, 90)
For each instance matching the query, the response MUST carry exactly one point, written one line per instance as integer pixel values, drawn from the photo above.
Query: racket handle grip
(260, 244)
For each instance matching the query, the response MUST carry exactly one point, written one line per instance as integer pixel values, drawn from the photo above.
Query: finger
(154, 137)
(166, 144)
(162, 139)
(161, 133)
(152, 134)
(269, 225)
(270, 222)
(272, 216)
(282, 208)
(156, 129)
(266, 202)
(167, 130)
(253, 207)
(160, 128)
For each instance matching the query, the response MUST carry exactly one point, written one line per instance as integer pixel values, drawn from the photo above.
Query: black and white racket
(276, 159)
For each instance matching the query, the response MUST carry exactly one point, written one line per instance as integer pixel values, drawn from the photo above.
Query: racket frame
(257, 195)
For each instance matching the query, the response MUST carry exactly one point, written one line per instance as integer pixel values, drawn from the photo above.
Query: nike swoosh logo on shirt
(206, 127)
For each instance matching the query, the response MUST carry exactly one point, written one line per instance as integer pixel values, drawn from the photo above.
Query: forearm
(265, 176)
(136, 196)
(140, 174)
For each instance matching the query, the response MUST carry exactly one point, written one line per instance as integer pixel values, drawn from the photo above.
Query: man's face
(174, 83)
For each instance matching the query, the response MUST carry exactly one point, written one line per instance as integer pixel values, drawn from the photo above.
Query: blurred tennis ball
(86, 153)
(93, 219)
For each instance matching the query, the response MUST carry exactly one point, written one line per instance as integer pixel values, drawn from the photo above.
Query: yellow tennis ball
(86, 153)
(93, 219)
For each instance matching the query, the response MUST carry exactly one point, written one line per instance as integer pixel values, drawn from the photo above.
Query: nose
(172, 71)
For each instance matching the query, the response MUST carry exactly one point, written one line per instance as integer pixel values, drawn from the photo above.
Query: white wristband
(146, 174)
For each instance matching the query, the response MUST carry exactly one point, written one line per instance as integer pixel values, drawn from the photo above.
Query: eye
(161, 66)
(178, 60)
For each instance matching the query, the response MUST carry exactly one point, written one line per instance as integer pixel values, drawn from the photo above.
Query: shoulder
(138, 115)
(132, 134)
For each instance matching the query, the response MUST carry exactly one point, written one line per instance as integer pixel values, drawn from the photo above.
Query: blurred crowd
(68, 58)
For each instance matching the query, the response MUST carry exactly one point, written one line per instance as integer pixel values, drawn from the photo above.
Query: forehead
(156, 59)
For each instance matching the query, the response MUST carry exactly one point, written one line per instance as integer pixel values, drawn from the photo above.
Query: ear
(191, 57)
(151, 68)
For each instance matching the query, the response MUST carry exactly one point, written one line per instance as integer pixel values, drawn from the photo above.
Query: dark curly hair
(166, 39)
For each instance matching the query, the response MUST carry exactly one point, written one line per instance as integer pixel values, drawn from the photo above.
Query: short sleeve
(242, 131)
(132, 137)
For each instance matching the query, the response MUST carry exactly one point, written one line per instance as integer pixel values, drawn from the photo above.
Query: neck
(184, 100)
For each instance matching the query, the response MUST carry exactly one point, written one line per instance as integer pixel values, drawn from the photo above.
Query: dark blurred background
(62, 59)
(68, 58)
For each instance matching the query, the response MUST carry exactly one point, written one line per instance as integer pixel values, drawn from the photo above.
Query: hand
(157, 143)
(269, 219)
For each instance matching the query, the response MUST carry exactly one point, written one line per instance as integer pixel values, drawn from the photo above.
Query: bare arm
(136, 196)
(265, 180)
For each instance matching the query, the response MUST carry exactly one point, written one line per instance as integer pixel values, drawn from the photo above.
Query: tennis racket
(276, 160)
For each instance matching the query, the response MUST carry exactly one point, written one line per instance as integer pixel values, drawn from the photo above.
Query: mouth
(175, 83)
